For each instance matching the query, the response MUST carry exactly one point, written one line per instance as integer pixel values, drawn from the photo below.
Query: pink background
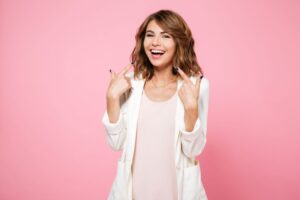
(55, 57)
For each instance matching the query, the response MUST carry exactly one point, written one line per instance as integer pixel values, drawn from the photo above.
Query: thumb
(197, 85)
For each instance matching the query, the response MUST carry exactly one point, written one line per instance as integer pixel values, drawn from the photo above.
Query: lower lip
(156, 56)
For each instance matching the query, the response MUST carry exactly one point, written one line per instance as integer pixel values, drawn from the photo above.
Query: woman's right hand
(119, 83)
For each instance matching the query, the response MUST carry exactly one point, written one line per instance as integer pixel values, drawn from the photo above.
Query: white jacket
(187, 145)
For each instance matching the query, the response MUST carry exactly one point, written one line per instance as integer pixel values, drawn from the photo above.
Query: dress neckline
(164, 101)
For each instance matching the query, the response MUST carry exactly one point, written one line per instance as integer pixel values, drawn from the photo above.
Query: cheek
(146, 42)
(172, 50)
(145, 48)
(171, 46)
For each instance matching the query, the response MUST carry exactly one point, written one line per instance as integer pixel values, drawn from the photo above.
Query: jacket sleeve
(193, 142)
(116, 132)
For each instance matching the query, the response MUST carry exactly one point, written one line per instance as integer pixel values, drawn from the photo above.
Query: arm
(114, 121)
(193, 141)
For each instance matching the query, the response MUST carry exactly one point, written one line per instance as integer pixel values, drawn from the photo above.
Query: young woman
(157, 114)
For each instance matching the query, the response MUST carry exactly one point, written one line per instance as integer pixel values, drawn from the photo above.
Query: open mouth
(157, 53)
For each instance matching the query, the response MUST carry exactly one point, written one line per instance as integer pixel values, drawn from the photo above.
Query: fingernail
(110, 70)
(132, 62)
(201, 76)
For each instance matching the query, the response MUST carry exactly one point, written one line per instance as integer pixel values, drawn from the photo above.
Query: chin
(159, 63)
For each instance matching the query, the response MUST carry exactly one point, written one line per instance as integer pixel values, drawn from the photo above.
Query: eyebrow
(160, 32)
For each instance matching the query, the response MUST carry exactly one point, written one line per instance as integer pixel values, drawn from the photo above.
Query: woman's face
(159, 46)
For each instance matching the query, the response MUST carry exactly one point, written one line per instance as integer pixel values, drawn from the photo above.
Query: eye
(149, 35)
(166, 36)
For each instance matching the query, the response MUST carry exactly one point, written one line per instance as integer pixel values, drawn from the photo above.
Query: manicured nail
(110, 70)
(201, 76)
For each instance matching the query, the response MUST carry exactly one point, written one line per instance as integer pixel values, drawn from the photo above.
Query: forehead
(154, 26)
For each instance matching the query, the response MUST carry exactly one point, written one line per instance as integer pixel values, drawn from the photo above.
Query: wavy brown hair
(185, 56)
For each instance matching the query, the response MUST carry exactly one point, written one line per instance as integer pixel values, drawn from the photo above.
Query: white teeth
(157, 51)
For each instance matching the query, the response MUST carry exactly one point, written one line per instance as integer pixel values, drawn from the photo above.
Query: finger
(127, 79)
(125, 69)
(112, 74)
(129, 83)
(197, 85)
(183, 75)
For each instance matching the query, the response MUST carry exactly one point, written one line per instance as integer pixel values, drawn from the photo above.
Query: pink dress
(154, 172)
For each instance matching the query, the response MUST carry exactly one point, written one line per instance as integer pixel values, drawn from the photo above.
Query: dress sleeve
(193, 142)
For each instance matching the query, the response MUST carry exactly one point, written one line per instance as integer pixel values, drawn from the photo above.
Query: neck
(163, 75)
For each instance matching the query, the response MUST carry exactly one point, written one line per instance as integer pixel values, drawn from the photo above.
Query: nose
(156, 41)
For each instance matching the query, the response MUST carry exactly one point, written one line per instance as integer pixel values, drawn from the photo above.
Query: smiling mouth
(156, 53)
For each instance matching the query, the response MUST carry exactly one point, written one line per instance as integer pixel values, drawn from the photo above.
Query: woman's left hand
(189, 94)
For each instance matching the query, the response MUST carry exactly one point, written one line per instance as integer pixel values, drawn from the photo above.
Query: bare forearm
(113, 108)
(190, 118)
